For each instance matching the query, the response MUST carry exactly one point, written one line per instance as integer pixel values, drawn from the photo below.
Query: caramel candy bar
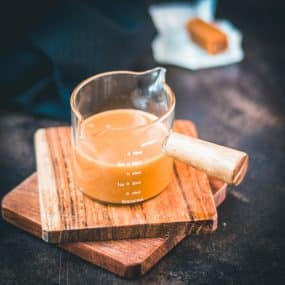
(207, 36)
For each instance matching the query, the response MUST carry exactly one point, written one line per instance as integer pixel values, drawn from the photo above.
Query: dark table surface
(241, 105)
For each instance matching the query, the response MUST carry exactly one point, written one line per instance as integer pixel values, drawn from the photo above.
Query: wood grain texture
(126, 258)
(67, 215)
(224, 163)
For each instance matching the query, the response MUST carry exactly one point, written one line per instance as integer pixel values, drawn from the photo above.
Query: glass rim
(83, 83)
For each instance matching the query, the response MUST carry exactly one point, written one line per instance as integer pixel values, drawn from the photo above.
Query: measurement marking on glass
(136, 193)
(129, 163)
(134, 153)
(128, 183)
(136, 172)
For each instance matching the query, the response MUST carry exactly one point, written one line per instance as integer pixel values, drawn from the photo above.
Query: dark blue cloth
(49, 47)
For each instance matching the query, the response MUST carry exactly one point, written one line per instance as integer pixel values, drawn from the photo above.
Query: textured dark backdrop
(51, 46)
(241, 105)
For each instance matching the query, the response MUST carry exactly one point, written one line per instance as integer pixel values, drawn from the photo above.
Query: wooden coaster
(126, 258)
(67, 215)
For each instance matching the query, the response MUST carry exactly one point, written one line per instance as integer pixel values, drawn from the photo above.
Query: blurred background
(47, 47)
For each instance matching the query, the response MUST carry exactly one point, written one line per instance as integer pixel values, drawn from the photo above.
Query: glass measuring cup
(123, 144)
(114, 162)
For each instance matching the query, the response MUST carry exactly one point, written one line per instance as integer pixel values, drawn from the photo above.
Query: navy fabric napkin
(49, 47)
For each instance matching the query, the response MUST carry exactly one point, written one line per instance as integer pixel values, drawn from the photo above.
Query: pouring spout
(157, 73)
(153, 79)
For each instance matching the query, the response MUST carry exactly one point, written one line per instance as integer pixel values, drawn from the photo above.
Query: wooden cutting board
(67, 215)
(126, 258)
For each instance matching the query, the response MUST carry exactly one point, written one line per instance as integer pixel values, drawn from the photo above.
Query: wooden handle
(221, 162)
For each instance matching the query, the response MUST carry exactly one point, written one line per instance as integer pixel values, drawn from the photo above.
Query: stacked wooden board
(187, 206)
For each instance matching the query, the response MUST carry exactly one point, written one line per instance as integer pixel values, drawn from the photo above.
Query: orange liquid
(118, 157)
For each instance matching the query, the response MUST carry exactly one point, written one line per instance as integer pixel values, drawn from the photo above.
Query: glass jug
(115, 162)
(123, 144)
